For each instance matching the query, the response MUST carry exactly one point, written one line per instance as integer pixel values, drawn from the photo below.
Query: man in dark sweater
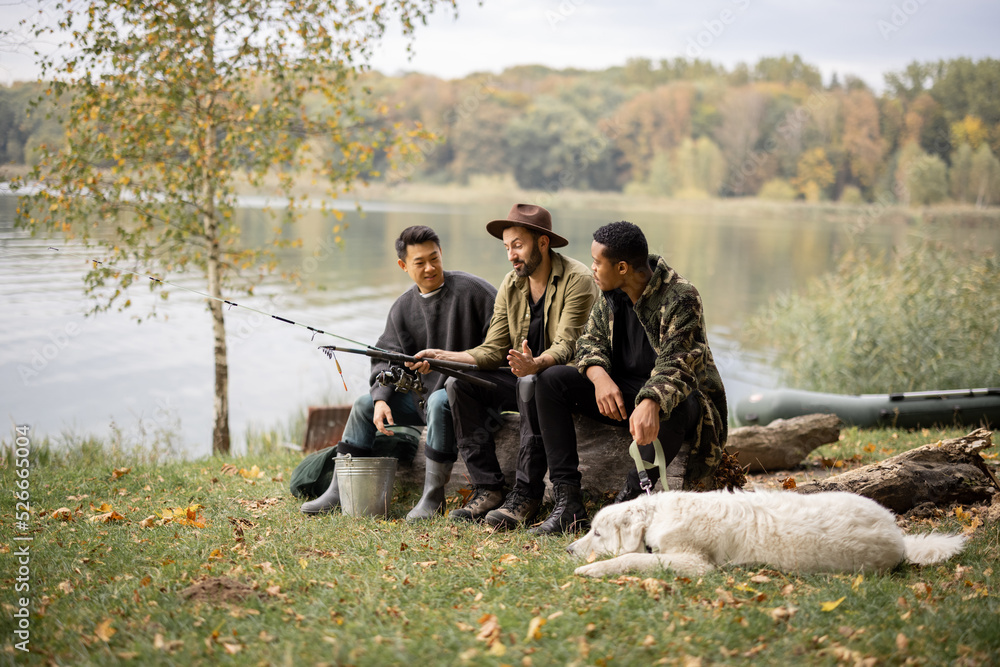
(446, 309)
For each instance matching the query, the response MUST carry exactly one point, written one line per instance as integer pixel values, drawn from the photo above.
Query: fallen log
(783, 443)
(942, 473)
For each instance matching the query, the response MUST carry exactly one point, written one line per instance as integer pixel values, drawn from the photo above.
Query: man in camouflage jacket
(643, 361)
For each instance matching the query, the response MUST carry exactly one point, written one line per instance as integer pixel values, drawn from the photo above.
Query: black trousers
(562, 390)
(476, 415)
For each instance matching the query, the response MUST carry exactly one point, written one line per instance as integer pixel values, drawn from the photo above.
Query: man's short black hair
(415, 235)
(624, 242)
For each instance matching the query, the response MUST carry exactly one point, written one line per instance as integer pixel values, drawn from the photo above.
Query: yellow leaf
(215, 555)
(534, 628)
(857, 582)
(104, 631)
(509, 558)
(830, 606)
(303, 563)
(148, 522)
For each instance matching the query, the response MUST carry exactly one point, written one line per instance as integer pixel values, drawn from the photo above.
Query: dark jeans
(563, 390)
(476, 414)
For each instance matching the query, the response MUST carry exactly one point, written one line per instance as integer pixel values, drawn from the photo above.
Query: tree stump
(942, 473)
(783, 443)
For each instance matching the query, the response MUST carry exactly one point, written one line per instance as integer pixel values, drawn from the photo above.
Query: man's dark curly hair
(415, 235)
(624, 242)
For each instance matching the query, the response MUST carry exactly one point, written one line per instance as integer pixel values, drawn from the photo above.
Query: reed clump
(925, 316)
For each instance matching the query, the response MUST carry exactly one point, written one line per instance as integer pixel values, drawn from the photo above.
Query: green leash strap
(642, 466)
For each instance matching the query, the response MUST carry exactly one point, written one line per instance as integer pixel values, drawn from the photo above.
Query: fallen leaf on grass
(830, 606)
(63, 514)
(185, 516)
(104, 631)
(66, 587)
(148, 522)
(902, 642)
(783, 613)
(107, 517)
(489, 629)
(229, 469)
(161, 644)
(510, 558)
(232, 649)
(253, 473)
(120, 472)
(535, 628)
(426, 563)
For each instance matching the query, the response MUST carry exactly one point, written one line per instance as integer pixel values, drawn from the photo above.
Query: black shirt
(536, 327)
(632, 357)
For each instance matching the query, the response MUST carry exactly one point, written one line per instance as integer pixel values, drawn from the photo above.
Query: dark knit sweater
(455, 317)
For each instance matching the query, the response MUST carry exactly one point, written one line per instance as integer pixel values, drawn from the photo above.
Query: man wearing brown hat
(541, 309)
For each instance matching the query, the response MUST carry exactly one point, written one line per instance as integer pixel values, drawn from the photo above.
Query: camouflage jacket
(671, 312)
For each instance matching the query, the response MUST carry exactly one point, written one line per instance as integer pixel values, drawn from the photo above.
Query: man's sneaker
(516, 510)
(482, 501)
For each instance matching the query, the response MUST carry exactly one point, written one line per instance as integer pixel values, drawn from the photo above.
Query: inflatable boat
(915, 409)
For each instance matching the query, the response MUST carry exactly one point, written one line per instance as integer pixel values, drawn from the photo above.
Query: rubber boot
(569, 514)
(432, 502)
(326, 502)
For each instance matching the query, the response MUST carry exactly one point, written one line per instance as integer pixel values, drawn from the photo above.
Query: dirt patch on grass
(218, 590)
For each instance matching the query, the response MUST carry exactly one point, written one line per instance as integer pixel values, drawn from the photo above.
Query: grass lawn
(210, 562)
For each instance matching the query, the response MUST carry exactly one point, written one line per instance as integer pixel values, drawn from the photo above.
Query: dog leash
(642, 466)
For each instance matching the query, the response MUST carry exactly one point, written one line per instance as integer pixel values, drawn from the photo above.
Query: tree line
(678, 127)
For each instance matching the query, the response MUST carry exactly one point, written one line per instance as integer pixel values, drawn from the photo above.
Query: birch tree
(169, 104)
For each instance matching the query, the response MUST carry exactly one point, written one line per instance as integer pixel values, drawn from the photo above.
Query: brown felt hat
(530, 216)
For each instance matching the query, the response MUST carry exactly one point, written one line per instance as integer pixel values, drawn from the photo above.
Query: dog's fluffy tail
(932, 548)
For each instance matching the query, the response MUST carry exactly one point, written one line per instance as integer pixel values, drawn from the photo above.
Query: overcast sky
(865, 38)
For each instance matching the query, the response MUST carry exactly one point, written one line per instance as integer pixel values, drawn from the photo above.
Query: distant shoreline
(502, 192)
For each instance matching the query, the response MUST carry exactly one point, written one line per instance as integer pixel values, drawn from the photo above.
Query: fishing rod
(399, 377)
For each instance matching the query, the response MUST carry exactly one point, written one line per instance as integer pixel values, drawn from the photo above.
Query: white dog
(692, 533)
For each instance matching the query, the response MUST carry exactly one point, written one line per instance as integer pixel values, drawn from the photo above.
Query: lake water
(64, 372)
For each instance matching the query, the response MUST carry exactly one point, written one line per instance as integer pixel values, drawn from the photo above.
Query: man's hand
(523, 363)
(383, 415)
(609, 397)
(444, 355)
(644, 424)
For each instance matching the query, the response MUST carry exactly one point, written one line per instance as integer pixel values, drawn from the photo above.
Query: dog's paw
(598, 569)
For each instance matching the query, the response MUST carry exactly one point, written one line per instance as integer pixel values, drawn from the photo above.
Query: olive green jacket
(569, 296)
(671, 313)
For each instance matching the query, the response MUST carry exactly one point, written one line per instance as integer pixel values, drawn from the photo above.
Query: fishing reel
(403, 381)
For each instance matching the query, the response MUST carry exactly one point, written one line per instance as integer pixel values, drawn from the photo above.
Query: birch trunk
(220, 412)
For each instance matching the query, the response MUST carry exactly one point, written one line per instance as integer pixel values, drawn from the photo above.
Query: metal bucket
(365, 484)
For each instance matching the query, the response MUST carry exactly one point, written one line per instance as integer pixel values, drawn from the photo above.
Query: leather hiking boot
(432, 501)
(516, 510)
(482, 501)
(569, 514)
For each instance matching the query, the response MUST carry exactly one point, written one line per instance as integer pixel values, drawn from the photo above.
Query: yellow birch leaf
(830, 606)
(104, 631)
(534, 628)
(856, 584)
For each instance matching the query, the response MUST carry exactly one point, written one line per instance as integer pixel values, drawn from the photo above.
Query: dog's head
(616, 529)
